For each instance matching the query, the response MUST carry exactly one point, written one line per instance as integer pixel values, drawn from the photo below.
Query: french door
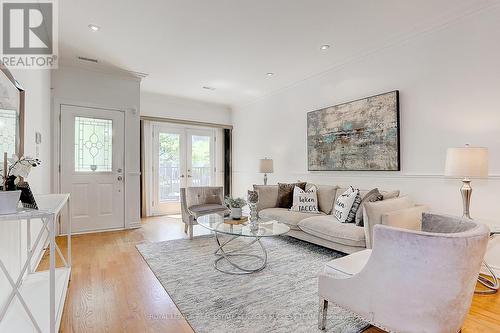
(92, 154)
(182, 157)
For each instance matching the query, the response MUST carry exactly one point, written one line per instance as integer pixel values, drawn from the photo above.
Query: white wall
(449, 82)
(86, 87)
(37, 119)
(165, 106)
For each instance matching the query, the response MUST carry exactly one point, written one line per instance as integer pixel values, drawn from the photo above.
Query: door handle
(119, 170)
(182, 176)
(120, 178)
(189, 176)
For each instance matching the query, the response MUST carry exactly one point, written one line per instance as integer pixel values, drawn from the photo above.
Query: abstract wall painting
(361, 135)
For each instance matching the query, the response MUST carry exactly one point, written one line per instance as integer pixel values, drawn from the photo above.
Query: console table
(36, 301)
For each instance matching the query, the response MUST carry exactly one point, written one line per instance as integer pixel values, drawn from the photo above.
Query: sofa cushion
(200, 210)
(327, 227)
(372, 196)
(285, 194)
(326, 197)
(348, 266)
(268, 196)
(373, 212)
(285, 216)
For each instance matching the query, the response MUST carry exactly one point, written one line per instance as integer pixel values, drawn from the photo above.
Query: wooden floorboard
(112, 288)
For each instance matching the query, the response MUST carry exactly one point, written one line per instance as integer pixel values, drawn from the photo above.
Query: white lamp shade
(266, 166)
(467, 162)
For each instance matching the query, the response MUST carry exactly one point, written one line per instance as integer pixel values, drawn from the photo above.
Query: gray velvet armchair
(199, 201)
(411, 281)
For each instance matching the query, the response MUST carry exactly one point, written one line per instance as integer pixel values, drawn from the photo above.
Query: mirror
(11, 114)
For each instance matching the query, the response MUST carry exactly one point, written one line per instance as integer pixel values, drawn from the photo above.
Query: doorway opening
(176, 156)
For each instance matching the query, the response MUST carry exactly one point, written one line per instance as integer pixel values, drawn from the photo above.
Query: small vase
(235, 213)
(9, 201)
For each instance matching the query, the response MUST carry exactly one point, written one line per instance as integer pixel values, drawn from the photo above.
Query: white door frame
(56, 150)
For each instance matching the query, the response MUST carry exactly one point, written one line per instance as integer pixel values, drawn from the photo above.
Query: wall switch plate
(38, 138)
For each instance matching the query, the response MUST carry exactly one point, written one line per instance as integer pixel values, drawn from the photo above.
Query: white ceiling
(230, 45)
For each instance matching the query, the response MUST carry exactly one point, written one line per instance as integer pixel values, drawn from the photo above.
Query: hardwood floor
(113, 290)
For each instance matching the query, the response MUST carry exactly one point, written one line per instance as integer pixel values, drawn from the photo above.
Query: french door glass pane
(200, 160)
(169, 168)
(93, 144)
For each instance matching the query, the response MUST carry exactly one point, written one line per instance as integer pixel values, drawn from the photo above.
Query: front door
(92, 161)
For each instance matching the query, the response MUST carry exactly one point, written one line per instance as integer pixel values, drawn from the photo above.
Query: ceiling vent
(88, 59)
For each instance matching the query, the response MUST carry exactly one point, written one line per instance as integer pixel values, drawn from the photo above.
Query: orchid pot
(9, 201)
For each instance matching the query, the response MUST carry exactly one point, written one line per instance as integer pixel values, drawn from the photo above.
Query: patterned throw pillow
(351, 218)
(372, 196)
(344, 203)
(285, 194)
(305, 201)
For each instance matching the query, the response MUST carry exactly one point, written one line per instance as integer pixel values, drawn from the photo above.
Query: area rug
(283, 297)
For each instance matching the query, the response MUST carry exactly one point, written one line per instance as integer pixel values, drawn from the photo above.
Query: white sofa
(324, 229)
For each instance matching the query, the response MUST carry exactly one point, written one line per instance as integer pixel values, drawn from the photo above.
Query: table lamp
(265, 167)
(467, 162)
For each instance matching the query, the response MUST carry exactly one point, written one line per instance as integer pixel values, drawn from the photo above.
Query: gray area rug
(280, 298)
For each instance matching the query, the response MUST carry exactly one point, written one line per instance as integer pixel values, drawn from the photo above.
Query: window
(93, 144)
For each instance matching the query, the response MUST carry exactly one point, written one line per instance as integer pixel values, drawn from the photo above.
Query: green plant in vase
(236, 205)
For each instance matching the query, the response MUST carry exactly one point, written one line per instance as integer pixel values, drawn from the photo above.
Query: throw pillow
(344, 203)
(351, 218)
(372, 196)
(285, 194)
(305, 201)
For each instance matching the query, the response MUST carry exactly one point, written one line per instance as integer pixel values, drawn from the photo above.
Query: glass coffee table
(217, 224)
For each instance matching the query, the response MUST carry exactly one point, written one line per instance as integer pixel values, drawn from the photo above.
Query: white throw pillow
(344, 203)
(305, 201)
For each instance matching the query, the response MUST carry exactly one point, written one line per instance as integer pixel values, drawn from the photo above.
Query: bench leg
(185, 228)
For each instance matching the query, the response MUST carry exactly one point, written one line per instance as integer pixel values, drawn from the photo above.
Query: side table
(490, 281)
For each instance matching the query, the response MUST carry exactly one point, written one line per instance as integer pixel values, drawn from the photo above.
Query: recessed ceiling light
(325, 47)
(269, 74)
(94, 28)
(208, 88)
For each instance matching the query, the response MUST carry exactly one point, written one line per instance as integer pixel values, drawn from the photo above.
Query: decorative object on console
(362, 135)
(344, 203)
(235, 204)
(27, 198)
(266, 166)
(13, 181)
(305, 201)
(467, 162)
(285, 193)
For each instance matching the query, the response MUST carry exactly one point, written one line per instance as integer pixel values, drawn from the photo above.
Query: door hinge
(59, 168)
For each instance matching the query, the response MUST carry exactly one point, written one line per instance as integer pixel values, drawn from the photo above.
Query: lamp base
(466, 191)
(265, 179)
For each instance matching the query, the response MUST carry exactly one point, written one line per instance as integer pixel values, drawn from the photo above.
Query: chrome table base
(489, 281)
(229, 256)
